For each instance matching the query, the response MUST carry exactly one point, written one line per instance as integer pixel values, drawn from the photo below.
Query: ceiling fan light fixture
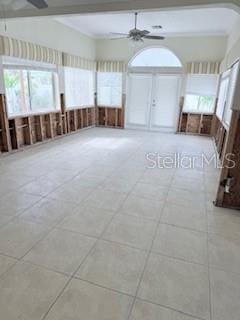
(135, 45)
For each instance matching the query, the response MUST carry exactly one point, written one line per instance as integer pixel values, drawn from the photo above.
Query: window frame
(55, 89)
(97, 90)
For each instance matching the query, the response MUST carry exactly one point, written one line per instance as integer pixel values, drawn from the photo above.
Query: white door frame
(153, 71)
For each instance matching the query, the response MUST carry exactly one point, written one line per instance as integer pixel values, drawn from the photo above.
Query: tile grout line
(172, 309)
(75, 272)
(208, 253)
(148, 255)
(149, 251)
(21, 259)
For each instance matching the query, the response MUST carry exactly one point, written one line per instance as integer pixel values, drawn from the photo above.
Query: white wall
(233, 47)
(52, 34)
(186, 48)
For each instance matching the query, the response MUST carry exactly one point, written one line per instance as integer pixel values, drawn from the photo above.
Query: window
(202, 104)
(109, 89)
(201, 93)
(222, 97)
(79, 87)
(156, 57)
(31, 91)
(41, 90)
(226, 93)
(233, 77)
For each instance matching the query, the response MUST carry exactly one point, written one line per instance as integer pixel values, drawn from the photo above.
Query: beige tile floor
(89, 232)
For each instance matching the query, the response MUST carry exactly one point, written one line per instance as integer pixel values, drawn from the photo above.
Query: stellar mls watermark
(180, 161)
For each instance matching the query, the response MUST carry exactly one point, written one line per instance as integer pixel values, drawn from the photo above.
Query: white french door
(139, 98)
(152, 101)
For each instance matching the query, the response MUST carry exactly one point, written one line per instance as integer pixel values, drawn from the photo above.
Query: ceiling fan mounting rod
(136, 15)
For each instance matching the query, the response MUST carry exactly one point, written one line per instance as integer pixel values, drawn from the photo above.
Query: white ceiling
(51, 3)
(212, 21)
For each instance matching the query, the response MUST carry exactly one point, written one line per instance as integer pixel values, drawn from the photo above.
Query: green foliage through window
(197, 103)
(30, 91)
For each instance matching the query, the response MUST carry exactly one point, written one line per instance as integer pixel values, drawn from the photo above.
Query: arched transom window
(155, 57)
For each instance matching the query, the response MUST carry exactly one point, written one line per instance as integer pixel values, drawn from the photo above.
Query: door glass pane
(138, 99)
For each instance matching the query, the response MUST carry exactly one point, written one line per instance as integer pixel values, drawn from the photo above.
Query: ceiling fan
(137, 35)
(19, 4)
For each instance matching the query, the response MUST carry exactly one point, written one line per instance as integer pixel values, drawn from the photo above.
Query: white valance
(29, 51)
(204, 67)
(73, 61)
(111, 66)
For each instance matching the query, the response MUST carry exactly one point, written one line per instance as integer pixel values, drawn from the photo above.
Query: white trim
(156, 70)
(24, 67)
(16, 63)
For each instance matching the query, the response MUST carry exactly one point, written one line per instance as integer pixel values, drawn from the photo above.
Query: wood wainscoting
(20, 131)
(219, 133)
(196, 123)
(5, 141)
(230, 174)
(110, 117)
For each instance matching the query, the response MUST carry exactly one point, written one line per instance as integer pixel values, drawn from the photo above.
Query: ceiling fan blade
(154, 37)
(118, 38)
(145, 32)
(118, 34)
(39, 4)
